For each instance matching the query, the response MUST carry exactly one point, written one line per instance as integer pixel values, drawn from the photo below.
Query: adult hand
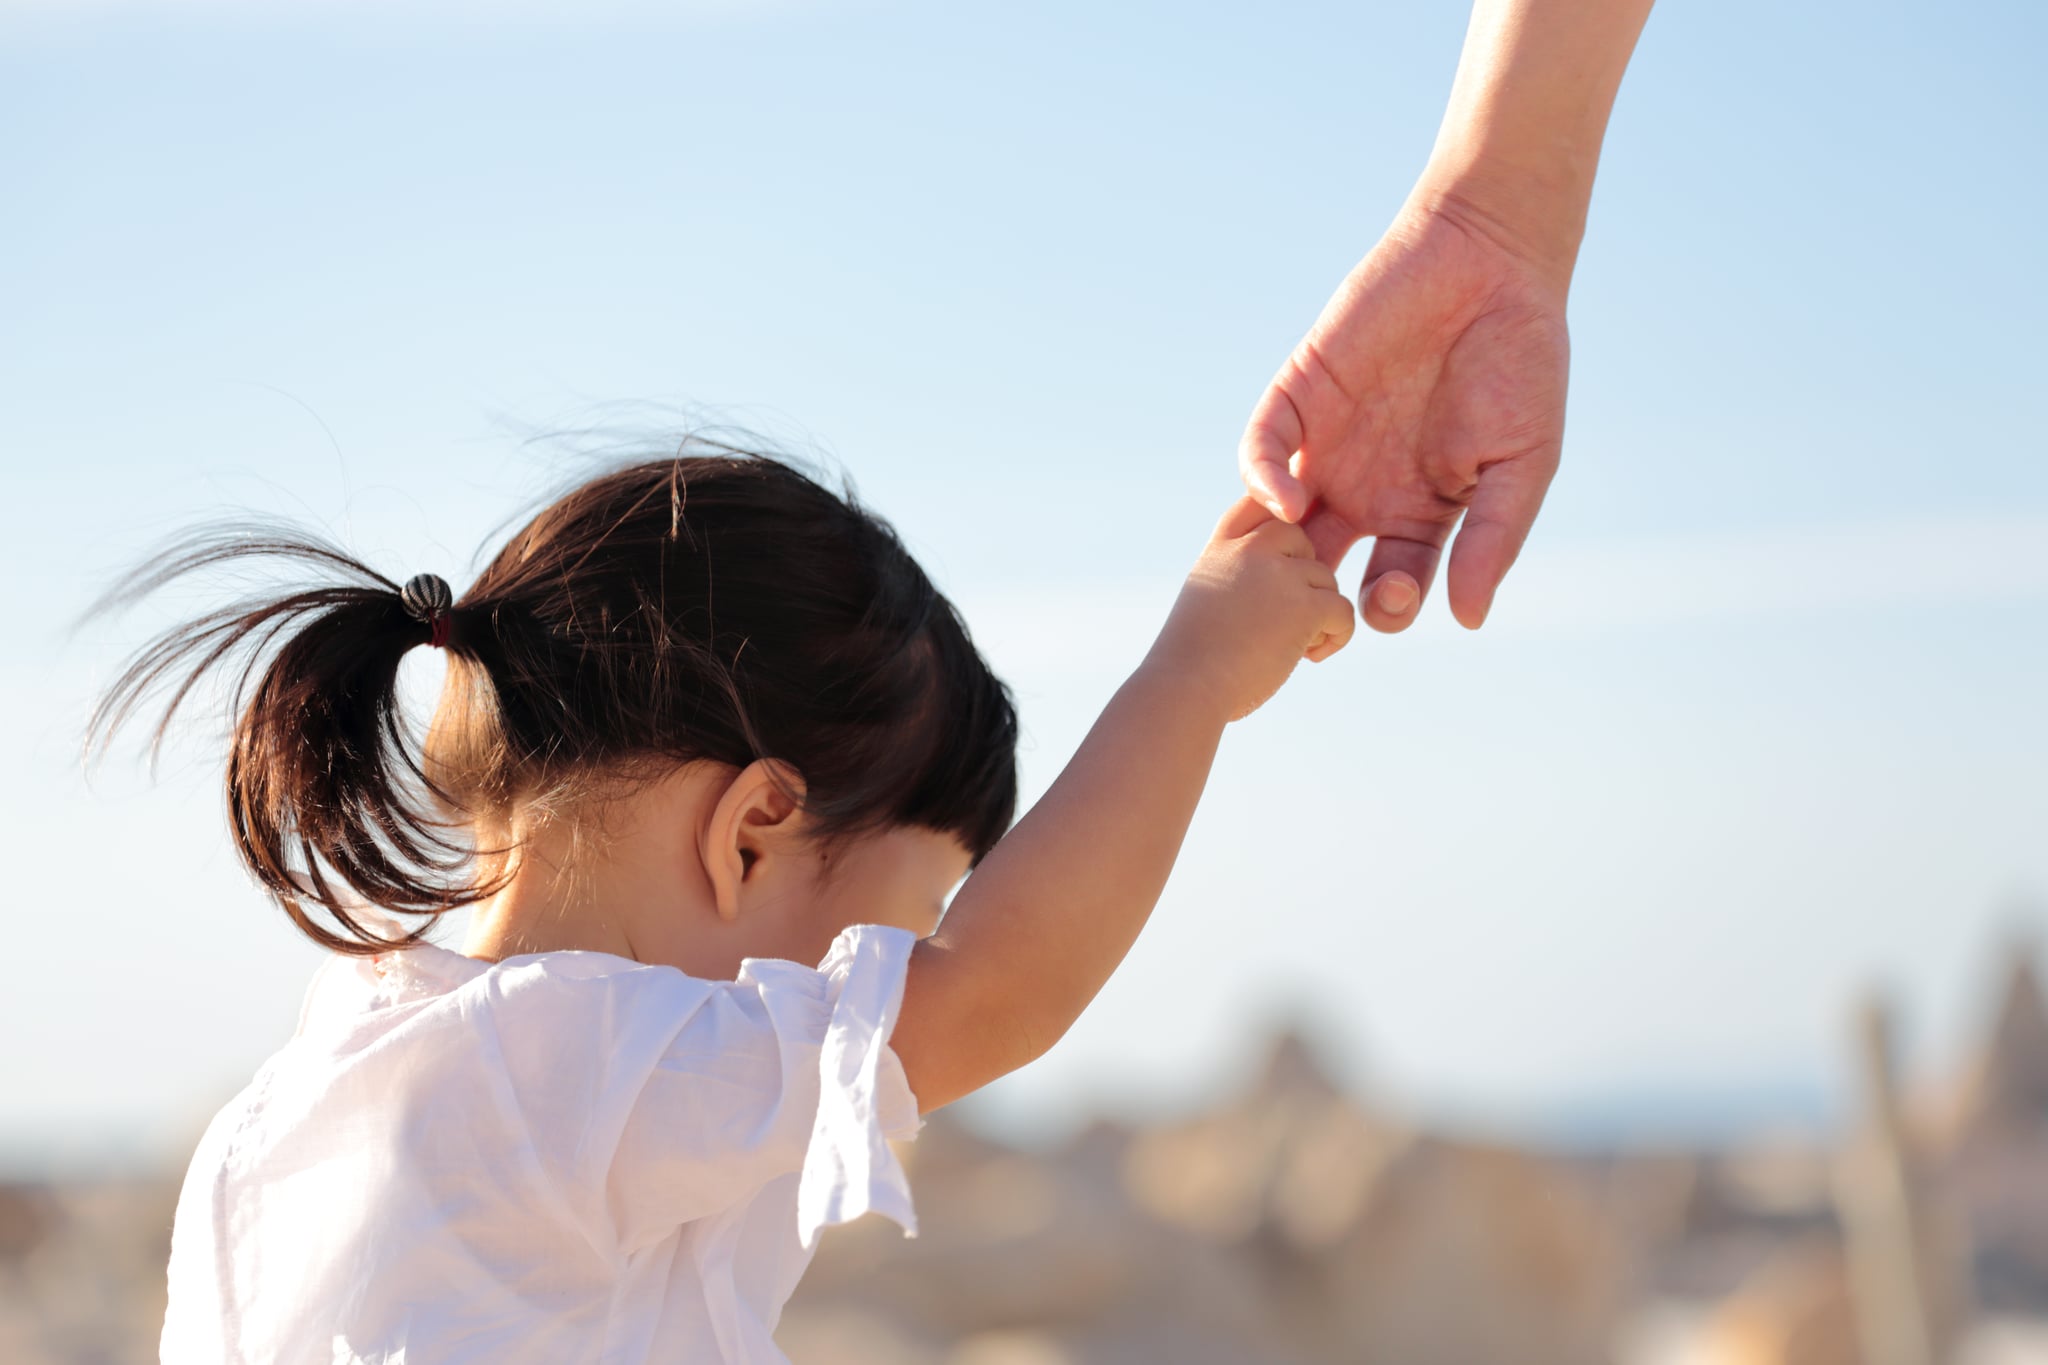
(1432, 386)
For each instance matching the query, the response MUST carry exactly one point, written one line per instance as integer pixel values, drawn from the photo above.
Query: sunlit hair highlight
(719, 604)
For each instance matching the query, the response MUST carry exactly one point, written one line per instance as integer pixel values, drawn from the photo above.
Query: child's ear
(757, 818)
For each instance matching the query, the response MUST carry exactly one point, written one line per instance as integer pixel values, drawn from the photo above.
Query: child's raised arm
(1054, 907)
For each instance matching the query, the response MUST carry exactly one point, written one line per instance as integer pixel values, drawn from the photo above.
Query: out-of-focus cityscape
(1294, 1224)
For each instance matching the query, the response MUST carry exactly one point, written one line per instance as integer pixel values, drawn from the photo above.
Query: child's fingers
(1244, 516)
(1337, 625)
(1284, 538)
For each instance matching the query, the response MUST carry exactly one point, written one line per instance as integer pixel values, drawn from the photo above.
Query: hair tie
(427, 599)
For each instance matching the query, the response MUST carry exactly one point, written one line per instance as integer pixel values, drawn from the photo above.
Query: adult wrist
(1519, 146)
(1537, 219)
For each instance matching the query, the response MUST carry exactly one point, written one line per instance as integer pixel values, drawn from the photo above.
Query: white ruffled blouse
(563, 1157)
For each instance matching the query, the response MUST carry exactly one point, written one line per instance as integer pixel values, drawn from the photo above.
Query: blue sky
(1756, 721)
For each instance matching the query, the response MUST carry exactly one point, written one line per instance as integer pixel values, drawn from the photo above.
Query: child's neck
(550, 903)
(633, 879)
(627, 880)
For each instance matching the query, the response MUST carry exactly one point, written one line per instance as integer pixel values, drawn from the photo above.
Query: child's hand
(1256, 604)
(1055, 906)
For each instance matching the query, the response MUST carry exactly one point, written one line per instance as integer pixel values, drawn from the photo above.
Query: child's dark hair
(719, 604)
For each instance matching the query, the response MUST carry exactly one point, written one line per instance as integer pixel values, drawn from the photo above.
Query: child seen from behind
(705, 723)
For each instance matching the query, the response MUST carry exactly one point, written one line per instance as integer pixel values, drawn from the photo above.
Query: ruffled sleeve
(706, 1091)
(863, 1097)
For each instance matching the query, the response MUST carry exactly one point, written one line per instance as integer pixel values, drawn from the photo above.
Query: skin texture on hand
(1432, 387)
(1256, 603)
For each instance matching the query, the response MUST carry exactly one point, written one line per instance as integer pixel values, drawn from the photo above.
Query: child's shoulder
(425, 979)
(543, 1004)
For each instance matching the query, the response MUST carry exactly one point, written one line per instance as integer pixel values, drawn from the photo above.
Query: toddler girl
(705, 723)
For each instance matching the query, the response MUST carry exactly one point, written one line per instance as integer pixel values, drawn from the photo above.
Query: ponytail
(328, 801)
(709, 605)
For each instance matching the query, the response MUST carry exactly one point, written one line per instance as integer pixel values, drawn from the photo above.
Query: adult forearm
(1039, 927)
(1521, 137)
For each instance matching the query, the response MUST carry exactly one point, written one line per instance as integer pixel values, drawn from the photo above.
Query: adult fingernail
(1396, 596)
